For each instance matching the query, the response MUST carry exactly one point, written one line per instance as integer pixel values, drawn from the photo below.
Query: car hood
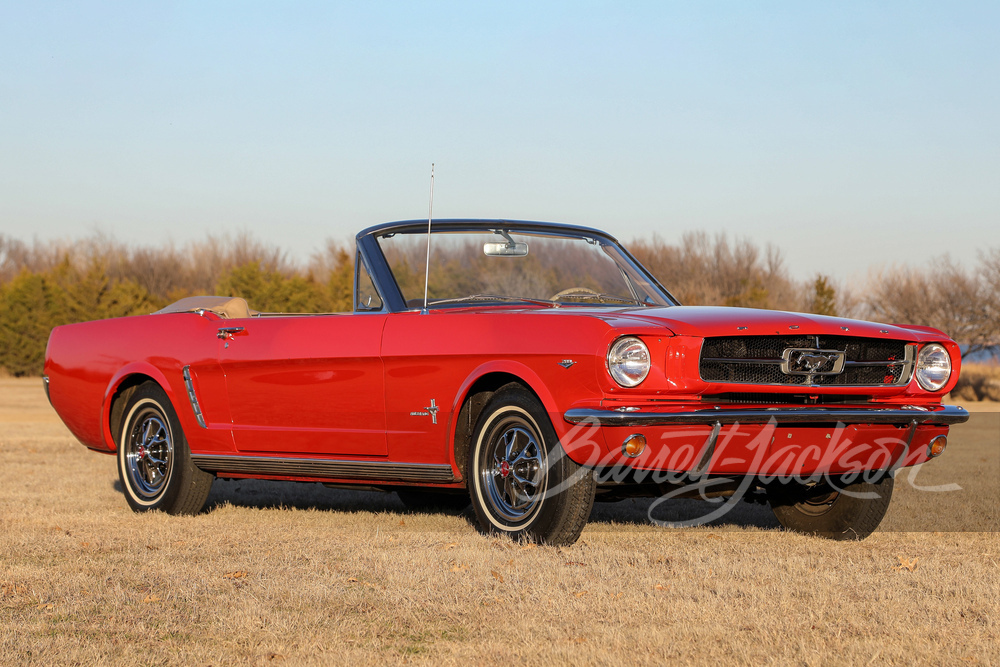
(726, 321)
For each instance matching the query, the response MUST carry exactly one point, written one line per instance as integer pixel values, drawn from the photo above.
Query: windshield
(505, 265)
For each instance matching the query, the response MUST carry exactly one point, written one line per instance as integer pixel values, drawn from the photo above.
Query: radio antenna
(430, 215)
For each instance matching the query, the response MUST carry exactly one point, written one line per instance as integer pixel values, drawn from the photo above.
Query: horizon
(301, 262)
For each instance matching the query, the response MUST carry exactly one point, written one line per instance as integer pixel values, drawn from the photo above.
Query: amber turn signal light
(634, 445)
(936, 447)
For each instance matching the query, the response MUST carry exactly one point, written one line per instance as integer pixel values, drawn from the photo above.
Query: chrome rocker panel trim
(947, 414)
(326, 468)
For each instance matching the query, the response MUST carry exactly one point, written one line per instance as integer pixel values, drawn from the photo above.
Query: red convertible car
(532, 368)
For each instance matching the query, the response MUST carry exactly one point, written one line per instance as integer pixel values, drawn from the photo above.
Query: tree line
(45, 284)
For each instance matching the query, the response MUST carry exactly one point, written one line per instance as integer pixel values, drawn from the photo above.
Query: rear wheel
(829, 509)
(522, 483)
(154, 463)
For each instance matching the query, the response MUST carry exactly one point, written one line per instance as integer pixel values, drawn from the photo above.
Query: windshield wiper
(495, 297)
(603, 297)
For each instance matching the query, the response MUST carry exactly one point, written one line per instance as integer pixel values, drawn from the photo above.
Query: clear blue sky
(848, 134)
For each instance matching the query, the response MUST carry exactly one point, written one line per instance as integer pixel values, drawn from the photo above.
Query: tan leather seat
(229, 307)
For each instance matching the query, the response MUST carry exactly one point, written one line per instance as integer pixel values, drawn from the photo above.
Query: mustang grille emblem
(805, 361)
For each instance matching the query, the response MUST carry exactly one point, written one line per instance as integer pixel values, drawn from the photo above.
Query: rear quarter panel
(87, 362)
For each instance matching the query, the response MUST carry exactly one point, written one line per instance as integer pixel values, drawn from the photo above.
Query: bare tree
(960, 303)
(702, 270)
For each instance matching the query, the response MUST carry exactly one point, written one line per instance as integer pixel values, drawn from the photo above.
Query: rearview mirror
(513, 249)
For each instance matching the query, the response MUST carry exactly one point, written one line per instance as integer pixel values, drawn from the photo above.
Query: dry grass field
(978, 382)
(300, 574)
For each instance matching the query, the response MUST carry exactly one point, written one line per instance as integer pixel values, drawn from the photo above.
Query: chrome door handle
(228, 332)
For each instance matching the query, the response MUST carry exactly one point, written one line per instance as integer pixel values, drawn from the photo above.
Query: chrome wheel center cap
(504, 468)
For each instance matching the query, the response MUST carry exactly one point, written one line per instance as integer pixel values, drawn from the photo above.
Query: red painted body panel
(86, 363)
(439, 356)
(306, 384)
(784, 450)
(690, 324)
(362, 385)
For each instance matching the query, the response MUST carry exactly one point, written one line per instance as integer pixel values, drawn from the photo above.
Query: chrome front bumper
(905, 416)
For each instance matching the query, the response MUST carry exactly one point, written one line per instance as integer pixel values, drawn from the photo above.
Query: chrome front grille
(829, 360)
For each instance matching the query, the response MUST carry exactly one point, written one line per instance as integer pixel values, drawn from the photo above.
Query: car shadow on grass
(265, 494)
(735, 514)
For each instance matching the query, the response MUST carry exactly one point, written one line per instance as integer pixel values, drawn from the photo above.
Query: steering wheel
(576, 291)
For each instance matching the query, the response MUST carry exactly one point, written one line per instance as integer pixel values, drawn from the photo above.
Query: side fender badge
(430, 411)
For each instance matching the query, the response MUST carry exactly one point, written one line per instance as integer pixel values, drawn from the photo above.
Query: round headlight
(933, 367)
(628, 361)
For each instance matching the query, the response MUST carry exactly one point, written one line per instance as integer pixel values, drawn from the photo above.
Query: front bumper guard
(903, 416)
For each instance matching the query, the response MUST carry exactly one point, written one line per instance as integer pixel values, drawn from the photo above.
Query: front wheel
(154, 463)
(522, 483)
(831, 509)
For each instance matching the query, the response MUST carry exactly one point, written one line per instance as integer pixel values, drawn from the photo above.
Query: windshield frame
(385, 282)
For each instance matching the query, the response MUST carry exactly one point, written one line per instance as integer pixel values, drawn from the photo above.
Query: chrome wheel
(154, 461)
(513, 471)
(521, 483)
(149, 453)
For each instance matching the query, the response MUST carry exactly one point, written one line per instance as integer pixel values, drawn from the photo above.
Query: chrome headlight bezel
(933, 367)
(628, 361)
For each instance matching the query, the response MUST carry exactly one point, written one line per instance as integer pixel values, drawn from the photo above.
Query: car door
(205, 384)
(308, 384)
